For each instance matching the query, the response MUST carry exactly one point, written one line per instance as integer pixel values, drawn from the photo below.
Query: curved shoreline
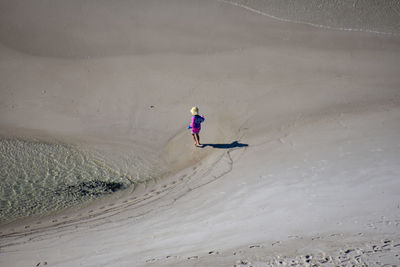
(302, 130)
(300, 21)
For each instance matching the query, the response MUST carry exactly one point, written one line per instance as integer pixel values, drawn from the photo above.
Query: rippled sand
(300, 162)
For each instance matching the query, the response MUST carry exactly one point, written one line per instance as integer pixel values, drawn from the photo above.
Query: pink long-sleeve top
(196, 123)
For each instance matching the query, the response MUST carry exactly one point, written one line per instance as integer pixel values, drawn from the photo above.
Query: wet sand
(301, 158)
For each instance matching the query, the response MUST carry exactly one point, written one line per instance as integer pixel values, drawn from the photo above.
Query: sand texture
(300, 163)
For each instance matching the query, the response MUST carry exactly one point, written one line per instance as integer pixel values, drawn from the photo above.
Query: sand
(302, 153)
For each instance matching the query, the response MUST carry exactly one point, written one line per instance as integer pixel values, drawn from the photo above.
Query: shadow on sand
(226, 146)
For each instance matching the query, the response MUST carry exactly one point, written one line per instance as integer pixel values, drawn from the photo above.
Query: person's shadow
(226, 146)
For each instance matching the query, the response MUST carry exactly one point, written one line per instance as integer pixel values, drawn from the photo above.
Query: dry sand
(302, 155)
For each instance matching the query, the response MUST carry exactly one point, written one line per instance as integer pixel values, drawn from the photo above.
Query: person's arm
(192, 123)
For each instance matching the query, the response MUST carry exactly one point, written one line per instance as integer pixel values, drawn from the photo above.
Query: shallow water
(39, 177)
(360, 15)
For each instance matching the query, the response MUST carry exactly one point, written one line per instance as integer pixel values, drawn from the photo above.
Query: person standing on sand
(195, 125)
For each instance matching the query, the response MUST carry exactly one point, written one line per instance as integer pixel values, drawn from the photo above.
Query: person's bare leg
(198, 139)
(194, 139)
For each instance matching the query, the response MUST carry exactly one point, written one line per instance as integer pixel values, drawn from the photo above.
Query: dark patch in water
(91, 188)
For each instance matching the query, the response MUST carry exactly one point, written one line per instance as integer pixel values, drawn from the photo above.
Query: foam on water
(39, 177)
(382, 17)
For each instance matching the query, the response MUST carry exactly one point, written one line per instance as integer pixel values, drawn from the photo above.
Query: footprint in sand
(237, 252)
(325, 260)
(308, 258)
(347, 251)
(242, 262)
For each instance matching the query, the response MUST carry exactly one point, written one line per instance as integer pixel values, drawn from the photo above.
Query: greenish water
(39, 177)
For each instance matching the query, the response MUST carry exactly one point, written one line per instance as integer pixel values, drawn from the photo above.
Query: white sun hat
(195, 110)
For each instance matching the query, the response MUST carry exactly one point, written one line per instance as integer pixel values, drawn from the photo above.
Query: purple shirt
(196, 123)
